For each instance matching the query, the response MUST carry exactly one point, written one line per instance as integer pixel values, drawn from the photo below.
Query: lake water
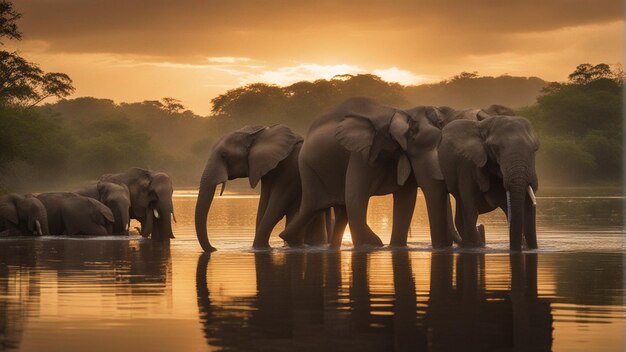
(104, 294)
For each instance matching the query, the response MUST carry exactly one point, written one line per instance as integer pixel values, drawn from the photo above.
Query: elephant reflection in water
(22, 264)
(297, 305)
(468, 316)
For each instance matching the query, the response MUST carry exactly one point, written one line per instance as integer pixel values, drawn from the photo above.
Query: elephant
(24, 215)
(490, 164)
(265, 154)
(150, 200)
(362, 148)
(72, 214)
(473, 114)
(116, 197)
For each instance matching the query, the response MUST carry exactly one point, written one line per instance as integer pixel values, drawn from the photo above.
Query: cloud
(228, 59)
(268, 29)
(303, 72)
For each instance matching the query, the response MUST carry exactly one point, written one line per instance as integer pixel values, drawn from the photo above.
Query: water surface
(102, 294)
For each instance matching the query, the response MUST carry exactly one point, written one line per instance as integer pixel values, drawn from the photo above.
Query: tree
(580, 125)
(586, 73)
(8, 21)
(23, 82)
(172, 105)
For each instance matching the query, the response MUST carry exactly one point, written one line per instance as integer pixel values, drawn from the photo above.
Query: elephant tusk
(174, 217)
(532, 196)
(223, 186)
(38, 227)
(156, 213)
(508, 207)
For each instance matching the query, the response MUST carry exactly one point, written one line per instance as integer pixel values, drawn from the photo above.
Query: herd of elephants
(485, 158)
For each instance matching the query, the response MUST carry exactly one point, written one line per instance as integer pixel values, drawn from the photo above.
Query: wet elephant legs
(403, 207)
(358, 184)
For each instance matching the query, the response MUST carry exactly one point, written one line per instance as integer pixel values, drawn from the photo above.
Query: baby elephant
(23, 215)
(73, 214)
(117, 198)
(490, 164)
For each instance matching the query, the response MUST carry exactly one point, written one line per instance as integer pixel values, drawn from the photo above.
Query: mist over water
(102, 294)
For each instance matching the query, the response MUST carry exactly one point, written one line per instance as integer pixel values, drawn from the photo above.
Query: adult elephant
(150, 200)
(73, 214)
(23, 214)
(362, 148)
(116, 197)
(491, 164)
(265, 154)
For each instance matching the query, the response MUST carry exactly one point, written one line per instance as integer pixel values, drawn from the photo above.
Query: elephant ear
(359, 133)
(356, 133)
(269, 148)
(143, 190)
(99, 208)
(398, 129)
(8, 210)
(466, 139)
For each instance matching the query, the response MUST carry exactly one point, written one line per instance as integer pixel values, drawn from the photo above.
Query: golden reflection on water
(115, 293)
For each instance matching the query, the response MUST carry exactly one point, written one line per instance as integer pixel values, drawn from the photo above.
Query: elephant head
(472, 114)
(26, 213)
(251, 151)
(117, 198)
(503, 147)
(412, 136)
(150, 200)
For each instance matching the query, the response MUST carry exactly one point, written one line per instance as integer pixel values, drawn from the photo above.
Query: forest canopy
(578, 121)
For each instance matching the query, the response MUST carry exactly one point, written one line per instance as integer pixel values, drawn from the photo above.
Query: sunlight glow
(405, 77)
(347, 236)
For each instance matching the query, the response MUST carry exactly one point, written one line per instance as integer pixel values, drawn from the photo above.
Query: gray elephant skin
(73, 214)
(150, 200)
(263, 154)
(490, 164)
(362, 148)
(23, 215)
(116, 197)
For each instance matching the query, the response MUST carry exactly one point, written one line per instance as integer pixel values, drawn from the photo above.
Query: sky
(194, 50)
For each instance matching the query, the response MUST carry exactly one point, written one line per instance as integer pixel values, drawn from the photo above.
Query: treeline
(579, 123)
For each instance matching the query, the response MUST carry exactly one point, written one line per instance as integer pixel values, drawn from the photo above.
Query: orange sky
(194, 50)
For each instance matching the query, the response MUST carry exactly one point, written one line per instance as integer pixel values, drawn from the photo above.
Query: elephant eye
(223, 155)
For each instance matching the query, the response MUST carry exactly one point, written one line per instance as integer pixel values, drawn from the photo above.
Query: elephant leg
(265, 195)
(458, 220)
(315, 231)
(273, 213)
(341, 221)
(403, 208)
(358, 182)
(470, 217)
(329, 222)
(435, 193)
(530, 229)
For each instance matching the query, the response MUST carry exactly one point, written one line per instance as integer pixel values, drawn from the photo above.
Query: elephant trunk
(516, 223)
(163, 221)
(203, 204)
(214, 173)
(518, 179)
